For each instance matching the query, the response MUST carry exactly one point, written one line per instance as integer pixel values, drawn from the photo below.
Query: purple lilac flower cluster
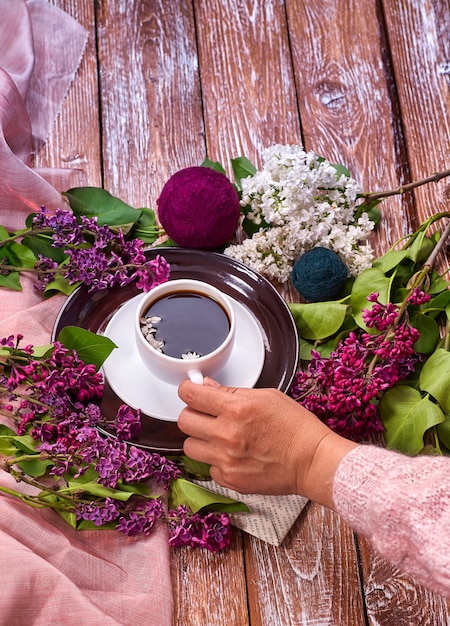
(97, 256)
(192, 529)
(344, 389)
(140, 519)
(53, 399)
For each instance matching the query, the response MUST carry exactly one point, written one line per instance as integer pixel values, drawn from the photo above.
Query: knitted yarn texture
(199, 208)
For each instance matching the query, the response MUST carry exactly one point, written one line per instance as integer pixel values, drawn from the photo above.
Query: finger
(199, 450)
(210, 382)
(204, 398)
(196, 424)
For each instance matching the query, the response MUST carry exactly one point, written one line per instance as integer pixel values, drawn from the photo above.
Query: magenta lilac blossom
(344, 389)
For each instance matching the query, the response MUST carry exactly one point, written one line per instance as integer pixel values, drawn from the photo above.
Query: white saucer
(136, 386)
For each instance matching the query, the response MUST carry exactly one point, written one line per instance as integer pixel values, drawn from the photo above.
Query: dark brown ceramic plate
(93, 312)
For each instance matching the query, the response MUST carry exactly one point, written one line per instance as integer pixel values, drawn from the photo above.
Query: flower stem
(432, 258)
(379, 195)
(30, 500)
(21, 233)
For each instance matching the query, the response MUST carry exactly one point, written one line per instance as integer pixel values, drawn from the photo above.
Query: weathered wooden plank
(150, 93)
(311, 579)
(394, 599)
(349, 112)
(248, 88)
(249, 103)
(420, 47)
(152, 127)
(210, 588)
(74, 139)
(346, 109)
(419, 40)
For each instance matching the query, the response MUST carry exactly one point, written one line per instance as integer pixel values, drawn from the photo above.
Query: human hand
(260, 441)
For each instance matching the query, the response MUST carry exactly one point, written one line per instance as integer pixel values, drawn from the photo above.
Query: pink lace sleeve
(402, 505)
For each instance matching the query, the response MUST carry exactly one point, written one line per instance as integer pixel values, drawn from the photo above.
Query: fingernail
(210, 382)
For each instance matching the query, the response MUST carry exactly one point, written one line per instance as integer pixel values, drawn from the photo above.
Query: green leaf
(90, 347)
(305, 349)
(26, 443)
(70, 518)
(19, 255)
(438, 303)
(202, 500)
(35, 467)
(250, 228)
(7, 447)
(3, 234)
(390, 260)
(52, 500)
(214, 165)
(5, 431)
(60, 285)
(370, 281)
(146, 228)
(42, 244)
(327, 347)
(421, 248)
(318, 320)
(95, 201)
(42, 351)
(11, 281)
(406, 417)
(435, 377)
(242, 168)
(374, 212)
(88, 525)
(443, 432)
(341, 170)
(438, 284)
(96, 489)
(429, 333)
(88, 483)
(136, 489)
(195, 468)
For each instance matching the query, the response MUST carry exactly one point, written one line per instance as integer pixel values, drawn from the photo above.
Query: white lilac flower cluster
(300, 201)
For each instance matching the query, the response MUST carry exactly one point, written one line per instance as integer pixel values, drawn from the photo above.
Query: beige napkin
(271, 517)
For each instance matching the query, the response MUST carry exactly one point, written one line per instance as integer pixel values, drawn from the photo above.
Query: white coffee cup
(173, 369)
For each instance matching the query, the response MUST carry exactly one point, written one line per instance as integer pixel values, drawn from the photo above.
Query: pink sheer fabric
(40, 49)
(402, 505)
(53, 574)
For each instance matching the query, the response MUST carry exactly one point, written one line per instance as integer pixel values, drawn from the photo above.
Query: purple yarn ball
(199, 208)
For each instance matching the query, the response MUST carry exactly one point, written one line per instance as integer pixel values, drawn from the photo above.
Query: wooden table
(164, 83)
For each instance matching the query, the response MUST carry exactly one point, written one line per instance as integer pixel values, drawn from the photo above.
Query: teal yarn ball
(319, 275)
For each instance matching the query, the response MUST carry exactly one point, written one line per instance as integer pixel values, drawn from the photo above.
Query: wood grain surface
(74, 141)
(312, 578)
(364, 83)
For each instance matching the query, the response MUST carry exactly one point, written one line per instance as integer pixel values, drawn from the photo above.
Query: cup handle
(196, 377)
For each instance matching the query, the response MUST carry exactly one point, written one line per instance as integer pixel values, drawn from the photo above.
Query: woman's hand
(260, 441)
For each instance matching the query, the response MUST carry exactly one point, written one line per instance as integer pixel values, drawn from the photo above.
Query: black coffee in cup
(189, 324)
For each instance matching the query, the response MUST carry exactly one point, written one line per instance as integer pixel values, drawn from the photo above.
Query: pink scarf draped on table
(52, 574)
